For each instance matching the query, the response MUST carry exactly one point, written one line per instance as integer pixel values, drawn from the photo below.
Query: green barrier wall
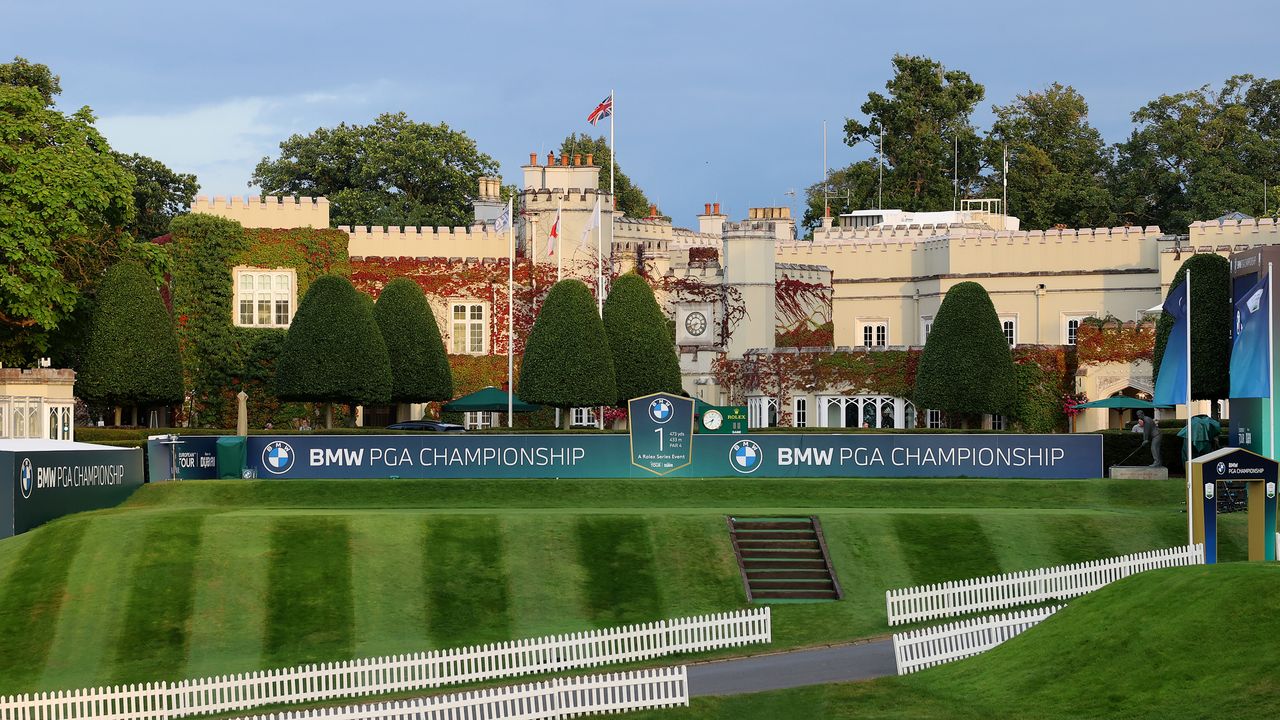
(39, 486)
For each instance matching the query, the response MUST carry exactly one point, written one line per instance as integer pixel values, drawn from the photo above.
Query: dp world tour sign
(603, 456)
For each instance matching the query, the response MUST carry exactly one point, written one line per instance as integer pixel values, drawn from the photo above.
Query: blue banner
(1171, 384)
(609, 456)
(1251, 349)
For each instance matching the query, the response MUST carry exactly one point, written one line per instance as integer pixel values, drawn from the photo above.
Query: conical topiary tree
(334, 351)
(1211, 315)
(131, 357)
(566, 359)
(419, 366)
(966, 368)
(644, 355)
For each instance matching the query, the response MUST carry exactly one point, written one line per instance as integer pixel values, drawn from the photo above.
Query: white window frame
(1012, 320)
(800, 412)
(933, 419)
(1067, 319)
(999, 422)
(874, 332)
(474, 331)
(273, 296)
(479, 420)
(758, 408)
(582, 417)
(926, 326)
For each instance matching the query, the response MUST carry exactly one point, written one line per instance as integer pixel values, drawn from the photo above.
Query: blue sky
(717, 101)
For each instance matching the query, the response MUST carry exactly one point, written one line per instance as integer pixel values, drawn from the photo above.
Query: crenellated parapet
(270, 211)
(1246, 231)
(380, 241)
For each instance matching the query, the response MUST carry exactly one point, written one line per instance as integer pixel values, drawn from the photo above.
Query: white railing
(556, 698)
(996, 592)
(918, 649)
(400, 673)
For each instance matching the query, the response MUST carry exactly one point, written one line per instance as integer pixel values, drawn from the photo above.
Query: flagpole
(511, 311)
(1271, 366)
(559, 236)
(599, 261)
(612, 110)
(1186, 468)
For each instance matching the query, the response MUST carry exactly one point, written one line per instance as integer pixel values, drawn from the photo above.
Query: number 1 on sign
(659, 431)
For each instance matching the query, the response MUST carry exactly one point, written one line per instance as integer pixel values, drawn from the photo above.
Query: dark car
(426, 426)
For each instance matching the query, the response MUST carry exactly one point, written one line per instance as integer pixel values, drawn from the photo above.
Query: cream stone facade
(37, 404)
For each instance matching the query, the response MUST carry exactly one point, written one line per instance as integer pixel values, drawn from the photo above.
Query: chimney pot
(564, 160)
(589, 159)
(577, 159)
(533, 158)
(551, 158)
(707, 209)
(653, 211)
(717, 207)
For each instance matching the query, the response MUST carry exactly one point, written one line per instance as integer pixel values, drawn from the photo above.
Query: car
(426, 426)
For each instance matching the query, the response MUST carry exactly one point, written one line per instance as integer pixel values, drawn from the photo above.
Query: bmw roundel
(277, 457)
(660, 410)
(746, 456)
(1222, 468)
(26, 479)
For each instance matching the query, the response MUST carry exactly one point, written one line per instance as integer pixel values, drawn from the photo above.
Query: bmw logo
(277, 457)
(660, 410)
(26, 479)
(745, 456)
(1222, 468)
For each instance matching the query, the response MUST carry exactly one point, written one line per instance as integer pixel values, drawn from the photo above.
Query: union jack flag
(602, 111)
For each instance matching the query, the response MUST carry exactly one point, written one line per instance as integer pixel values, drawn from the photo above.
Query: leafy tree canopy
(24, 73)
(631, 199)
(1211, 313)
(966, 367)
(159, 195)
(64, 201)
(334, 351)
(392, 172)
(566, 359)
(419, 366)
(644, 356)
(131, 357)
(926, 110)
(850, 188)
(1058, 162)
(1200, 154)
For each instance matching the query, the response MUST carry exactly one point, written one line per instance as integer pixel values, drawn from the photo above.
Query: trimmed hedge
(334, 351)
(566, 359)
(1211, 313)
(132, 356)
(966, 367)
(644, 355)
(419, 366)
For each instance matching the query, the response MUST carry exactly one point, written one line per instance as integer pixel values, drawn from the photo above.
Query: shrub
(333, 351)
(566, 359)
(966, 367)
(132, 355)
(644, 356)
(1210, 326)
(419, 366)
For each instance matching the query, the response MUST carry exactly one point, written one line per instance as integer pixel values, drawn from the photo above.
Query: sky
(716, 101)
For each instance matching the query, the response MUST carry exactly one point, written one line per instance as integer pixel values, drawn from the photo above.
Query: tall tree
(849, 188)
(419, 366)
(24, 73)
(1200, 154)
(159, 195)
(631, 199)
(966, 368)
(923, 116)
(64, 201)
(566, 359)
(334, 351)
(644, 356)
(1058, 162)
(392, 172)
(1211, 314)
(131, 357)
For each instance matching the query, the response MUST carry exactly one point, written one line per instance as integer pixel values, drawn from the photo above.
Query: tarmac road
(841, 663)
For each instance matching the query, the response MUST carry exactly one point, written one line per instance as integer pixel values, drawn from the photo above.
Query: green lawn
(1172, 644)
(199, 578)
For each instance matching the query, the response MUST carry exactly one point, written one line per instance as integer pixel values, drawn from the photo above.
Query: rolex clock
(712, 420)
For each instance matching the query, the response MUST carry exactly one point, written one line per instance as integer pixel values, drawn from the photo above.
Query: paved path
(841, 663)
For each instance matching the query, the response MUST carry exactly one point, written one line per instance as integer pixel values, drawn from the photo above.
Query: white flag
(504, 220)
(554, 235)
(593, 222)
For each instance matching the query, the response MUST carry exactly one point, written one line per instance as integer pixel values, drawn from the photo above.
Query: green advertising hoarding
(661, 432)
(39, 485)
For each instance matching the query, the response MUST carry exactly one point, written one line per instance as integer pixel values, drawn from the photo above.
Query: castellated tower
(571, 184)
(747, 253)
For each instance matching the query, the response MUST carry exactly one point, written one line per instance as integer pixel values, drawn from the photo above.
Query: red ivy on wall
(1107, 341)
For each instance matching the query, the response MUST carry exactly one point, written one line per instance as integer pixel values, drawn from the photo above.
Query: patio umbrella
(489, 399)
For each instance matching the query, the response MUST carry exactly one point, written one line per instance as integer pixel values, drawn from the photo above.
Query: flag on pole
(593, 222)
(554, 236)
(504, 220)
(1171, 385)
(1251, 349)
(602, 111)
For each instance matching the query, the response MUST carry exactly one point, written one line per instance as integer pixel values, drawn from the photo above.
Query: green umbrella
(489, 399)
(1120, 402)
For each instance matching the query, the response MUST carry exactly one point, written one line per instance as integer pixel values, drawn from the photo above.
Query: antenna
(880, 165)
(955, 176)
(827, 194)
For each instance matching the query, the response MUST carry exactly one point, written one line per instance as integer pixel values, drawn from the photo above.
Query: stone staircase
(783, 559)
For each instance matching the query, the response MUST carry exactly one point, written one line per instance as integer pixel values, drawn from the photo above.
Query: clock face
(712, 419)
(695, 323)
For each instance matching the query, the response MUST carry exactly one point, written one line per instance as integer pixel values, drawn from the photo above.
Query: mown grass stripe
(309, 597)
(694, 583)
(386, 551)
(945, 547)
(31, 601)
(230, 595)
(546, 589)
(153, 642)
(464, 570)
(622, 585)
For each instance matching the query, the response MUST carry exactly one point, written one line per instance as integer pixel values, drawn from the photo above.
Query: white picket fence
(918, 649)
(399, 673)
(995, 592)
(556, 698)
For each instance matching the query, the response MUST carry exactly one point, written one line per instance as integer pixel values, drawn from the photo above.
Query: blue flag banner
(1171, 385)
(1251, 350)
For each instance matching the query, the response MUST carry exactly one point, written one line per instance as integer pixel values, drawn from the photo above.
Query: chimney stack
(653, 211)
(707, 209)
(577, 159)
(533, 158)
(716, 206)
(589, 158)
(564, 160)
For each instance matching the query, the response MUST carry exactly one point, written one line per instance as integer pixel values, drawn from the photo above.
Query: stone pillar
(899, 412)
(242, 413)
(748, 257)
